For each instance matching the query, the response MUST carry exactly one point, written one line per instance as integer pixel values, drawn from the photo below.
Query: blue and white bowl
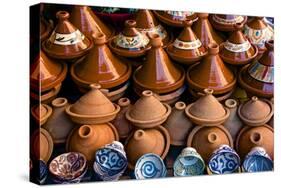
(257, 160)
(150, 166)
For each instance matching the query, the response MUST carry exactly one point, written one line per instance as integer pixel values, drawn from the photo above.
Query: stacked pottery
(175, 18)
(226, 22)
(41, 113)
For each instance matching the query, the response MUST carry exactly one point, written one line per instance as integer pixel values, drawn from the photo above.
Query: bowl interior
(189, 165)
(223, 163)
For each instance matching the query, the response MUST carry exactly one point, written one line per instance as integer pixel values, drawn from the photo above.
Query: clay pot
(140, 142)
(257, 78)
(223, 22)
(88, 138)
(187, 48)
(250, 137)
(130, 42)
(255, 112)
(178, 125)
(41, 113)
(175, 18)
(66, 41)
(205, 32)
(206, 139)
(122, 125)
(207, 110)
(59, 124)
(92, 108)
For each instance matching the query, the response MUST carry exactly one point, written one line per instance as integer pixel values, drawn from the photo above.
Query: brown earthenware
(46, 28)
(47, 96)
(140, 142)
(66, 41)
(271, 121)
(226, 22)
(92, 108)
(41, 113)
(206, 139)
(178, 125)
(88, 138)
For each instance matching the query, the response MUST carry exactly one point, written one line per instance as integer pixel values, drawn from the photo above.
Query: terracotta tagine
(41, 113)
(249, 137)
(205, 32)
(59, 125)
(66, 41)
(178, 125)
(206, 139)
(103, 67)
(258, 77)
(159, 74)
(237, 50)
(207, 110)
(187, 48)
(130, 42)
(255, 112)
(224, 22)
(148, 111)
(92, 108)
(87, 139)
(140, 142)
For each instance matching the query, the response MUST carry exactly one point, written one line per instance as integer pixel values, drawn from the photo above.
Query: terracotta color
(258, 77)
(59, 124)
(207, 110)
(47, 96)
(45, 28)
(168, 18)
(250, 137)
(88, 138)
(93, 108)
(271, 121)
(255, 112)
(206, 139)
(225, 22)
(148, 111)
(41, 113)
(187, 48)
(178, 125)
(140, 142)
(66, 41)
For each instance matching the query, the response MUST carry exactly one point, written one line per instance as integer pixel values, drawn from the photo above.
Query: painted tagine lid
(207, 110)
(148, 111)
(187, 48)
(223, 22)
(140, 142)
(211, 73)
(66, 41)
(130, 42)
(206, 139)
(41, 113)
(100, 66)
(93, 107)
(256, 112)
(258, 77)
(237, 50)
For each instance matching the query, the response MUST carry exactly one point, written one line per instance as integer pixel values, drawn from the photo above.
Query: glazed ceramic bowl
(150, 166)
(39, 172)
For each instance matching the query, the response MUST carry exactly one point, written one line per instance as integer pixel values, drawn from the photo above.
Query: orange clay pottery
(46, 28)
(206, 139)
(92, 108)
(207, 110)
(59, 125)
(187, 48)
(258, 77)
(88, 138)
(130, 42)
(249, 137)
(41, 113)
(148, 111)
(224, 22)
(178, 125)
(271, 121)
(66, 41)
(255, 112)
(237, 50)
(140, 142)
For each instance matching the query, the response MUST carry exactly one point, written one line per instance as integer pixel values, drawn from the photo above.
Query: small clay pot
(175, 18)
(226, 22)
(41, 113)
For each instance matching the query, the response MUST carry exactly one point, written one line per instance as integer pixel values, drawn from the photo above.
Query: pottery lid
(268, 57)
(257, 23)
(187, 35)
(145, 19)
(228, 19)
(237, 36)
(41, 112)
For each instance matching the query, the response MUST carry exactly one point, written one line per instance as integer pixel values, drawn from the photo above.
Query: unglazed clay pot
(250, 137)
(66, 41)
(237, 50)
(59, 125)
(206, 139)
(187, 48)
(178, 125)
(88, 138)
(175, 18)
(140, 142)
(41, 113)
(130, 42)
(92, 108)
(226, 22)
(255, 112)
(258, 77)
(207, 110)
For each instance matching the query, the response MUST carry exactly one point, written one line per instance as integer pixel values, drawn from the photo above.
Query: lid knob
(99, 38)
(62, 15)
(155, 40)
(130, 23)
(213, 48)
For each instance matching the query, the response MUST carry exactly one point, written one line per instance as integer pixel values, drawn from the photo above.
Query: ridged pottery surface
(41, 113)
(175, 18)
(224, 22)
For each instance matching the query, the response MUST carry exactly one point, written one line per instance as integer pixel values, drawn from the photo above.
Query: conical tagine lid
(66, 41)
(41, 113)
(224, 22)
